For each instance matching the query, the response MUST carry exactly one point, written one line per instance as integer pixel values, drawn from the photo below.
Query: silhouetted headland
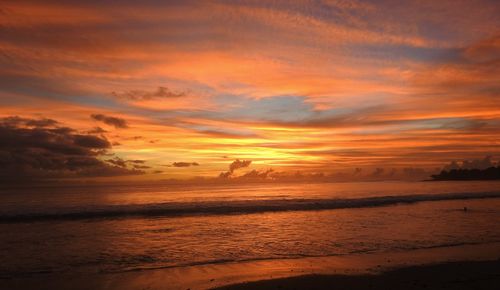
(492, 173)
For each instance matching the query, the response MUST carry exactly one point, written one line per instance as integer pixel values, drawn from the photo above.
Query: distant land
(491, 173)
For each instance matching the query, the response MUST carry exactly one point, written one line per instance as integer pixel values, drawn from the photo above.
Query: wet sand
(466, 266)
(456, 275)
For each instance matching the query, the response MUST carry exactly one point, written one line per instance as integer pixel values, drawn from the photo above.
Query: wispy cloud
(109, 120)
(185, 164)
(309, 86)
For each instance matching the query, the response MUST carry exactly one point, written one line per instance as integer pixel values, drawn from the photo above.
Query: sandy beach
(455, 267)
(455, 275)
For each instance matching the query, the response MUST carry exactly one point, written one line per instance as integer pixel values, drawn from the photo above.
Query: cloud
(37, 148)
(117, 162)
(483, 163)
(109, 120)
(13, 121)
(255, 174)
(141, 95)
(97, 130)
(185, 164)
(91, 141)
(224, 175)
(341, 80)
(473, 70)
(236, 164)
(137, 164)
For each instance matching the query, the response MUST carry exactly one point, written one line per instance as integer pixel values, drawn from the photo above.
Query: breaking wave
(173, 209)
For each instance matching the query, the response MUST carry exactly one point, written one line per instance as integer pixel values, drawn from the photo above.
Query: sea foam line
(234, 207)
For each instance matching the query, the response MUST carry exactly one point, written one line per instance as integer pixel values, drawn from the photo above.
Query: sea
(119, 228)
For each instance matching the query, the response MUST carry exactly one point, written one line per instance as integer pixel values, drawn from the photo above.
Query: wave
(173, 209)
(305, 256)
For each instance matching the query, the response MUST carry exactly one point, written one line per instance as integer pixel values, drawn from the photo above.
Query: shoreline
(451, 275)
(238, 274)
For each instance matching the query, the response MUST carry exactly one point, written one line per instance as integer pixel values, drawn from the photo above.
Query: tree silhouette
(491, 173)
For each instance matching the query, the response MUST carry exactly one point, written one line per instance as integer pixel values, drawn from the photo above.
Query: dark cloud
(137, 164)
(97, 130)
(117, 162)
(185, 164)
(39, 148)
(41, 123)
(91, 141)
(141, 95)
(14, 121)
(236, 164)
(255, 174)
(226, 174)
(109, 120)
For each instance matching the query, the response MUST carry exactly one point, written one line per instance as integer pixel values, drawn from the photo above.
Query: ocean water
(123, 228)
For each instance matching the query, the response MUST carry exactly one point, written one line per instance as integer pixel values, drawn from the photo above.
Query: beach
(456, 267)
(458, 275)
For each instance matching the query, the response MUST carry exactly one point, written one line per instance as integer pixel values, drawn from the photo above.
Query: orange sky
(310, 86)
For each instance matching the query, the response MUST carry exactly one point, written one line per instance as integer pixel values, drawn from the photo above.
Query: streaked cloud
(185, 164)
(109, 120)
(305, 86)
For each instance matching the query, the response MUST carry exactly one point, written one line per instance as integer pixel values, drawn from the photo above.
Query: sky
(246, 89)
